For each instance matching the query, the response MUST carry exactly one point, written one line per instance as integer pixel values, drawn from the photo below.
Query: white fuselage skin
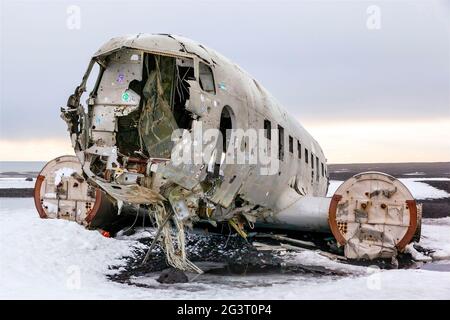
(150, 86)
(302, 173)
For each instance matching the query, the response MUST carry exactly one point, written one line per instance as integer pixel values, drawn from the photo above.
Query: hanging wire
(135, 220)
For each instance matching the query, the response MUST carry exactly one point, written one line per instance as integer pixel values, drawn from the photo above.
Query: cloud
(34, 149)
(318, 58)
(383, 141)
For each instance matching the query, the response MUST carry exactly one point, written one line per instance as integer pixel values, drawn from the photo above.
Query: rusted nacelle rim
(37, 195)
(332, 219)
(93, 212)
(412, 206)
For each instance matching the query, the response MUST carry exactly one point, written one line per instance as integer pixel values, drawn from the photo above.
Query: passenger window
(280, 143)
(317, 166)
(312, 160)
(306, 155)
(267, 128)
(323, 170)
(291, 144)
(206, 78)
(299, 149)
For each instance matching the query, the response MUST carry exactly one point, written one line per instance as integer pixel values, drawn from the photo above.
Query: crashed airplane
(173, 129)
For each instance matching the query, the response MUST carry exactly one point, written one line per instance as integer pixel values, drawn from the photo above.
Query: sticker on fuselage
(125, 97)
(120, 78)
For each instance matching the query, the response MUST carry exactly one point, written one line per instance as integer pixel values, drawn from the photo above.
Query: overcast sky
(367, 95)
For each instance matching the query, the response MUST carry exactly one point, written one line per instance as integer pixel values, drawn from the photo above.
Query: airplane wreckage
(173, 130)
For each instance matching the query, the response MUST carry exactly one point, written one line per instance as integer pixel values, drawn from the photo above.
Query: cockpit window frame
(200, 63)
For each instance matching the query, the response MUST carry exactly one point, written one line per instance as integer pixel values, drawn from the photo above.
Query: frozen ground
(43, 259)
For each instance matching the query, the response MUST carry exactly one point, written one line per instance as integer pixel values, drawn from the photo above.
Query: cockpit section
(138, 100)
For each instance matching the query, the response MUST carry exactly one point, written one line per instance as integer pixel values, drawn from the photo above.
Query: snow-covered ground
(42, 259)
(414, 174)
(420, 190)
(16, 183)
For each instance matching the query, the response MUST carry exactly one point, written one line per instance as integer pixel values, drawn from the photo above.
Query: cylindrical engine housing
(372, 214)
(62, 192)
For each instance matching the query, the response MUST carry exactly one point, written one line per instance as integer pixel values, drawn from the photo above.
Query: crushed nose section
(373, 215)
(61, 192)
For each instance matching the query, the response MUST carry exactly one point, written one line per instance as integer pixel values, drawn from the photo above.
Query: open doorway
(226, 124)
(218, 157)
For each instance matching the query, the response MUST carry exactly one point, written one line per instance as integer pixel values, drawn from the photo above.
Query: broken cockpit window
(139, 100)
(184, 72)
(92, 84)
(164, 91)
(157, 121)
(206, 78)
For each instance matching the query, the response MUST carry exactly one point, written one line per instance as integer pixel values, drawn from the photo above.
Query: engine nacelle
(62, 192)
(373, 215)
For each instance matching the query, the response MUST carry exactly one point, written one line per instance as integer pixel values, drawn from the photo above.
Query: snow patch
(49, 258)
(58, 259)
(62, 172)
(436, 236)
(419, 190)
(16, 183)
(50, 195)
(414, 174)
(51, 207)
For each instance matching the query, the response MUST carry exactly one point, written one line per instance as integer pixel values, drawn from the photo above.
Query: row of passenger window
(208, 85)
(267, 134)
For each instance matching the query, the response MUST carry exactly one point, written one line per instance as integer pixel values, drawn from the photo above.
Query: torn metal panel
(185, 203)
(185, 175)
(193, 170)
(133, 194)
(157, 121)
(200, 103)
(230, 186)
